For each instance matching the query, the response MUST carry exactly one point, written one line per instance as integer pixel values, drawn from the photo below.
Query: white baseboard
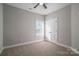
(59, 44)
(25, 43)
(73, 49)
(1, 50)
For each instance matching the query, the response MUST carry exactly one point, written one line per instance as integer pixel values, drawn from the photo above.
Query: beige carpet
(42, 48)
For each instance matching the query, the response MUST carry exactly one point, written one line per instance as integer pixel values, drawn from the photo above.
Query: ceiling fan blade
(36, 5)
(45, 6)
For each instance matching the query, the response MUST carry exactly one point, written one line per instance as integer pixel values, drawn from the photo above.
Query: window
(39, 28)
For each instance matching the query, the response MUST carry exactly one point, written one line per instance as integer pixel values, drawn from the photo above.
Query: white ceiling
(51, 7)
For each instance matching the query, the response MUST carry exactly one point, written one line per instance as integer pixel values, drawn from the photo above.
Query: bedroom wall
(64, 24)
(1, 28)
(75, 26)
(19, 25)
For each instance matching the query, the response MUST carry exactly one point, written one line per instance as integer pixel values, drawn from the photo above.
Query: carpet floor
(42, 48)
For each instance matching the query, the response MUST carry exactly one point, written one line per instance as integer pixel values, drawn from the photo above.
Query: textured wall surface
(75, 26)
(64, 24)
(1, 26)
(19, 25)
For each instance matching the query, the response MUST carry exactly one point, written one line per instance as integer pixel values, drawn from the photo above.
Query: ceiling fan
(43, 4)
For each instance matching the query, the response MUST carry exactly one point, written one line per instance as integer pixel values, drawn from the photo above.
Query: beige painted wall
(64, 24)
(19, 25)
(1, 27)
(75, 26)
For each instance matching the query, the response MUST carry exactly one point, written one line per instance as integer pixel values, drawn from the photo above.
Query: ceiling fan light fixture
(41, 3)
